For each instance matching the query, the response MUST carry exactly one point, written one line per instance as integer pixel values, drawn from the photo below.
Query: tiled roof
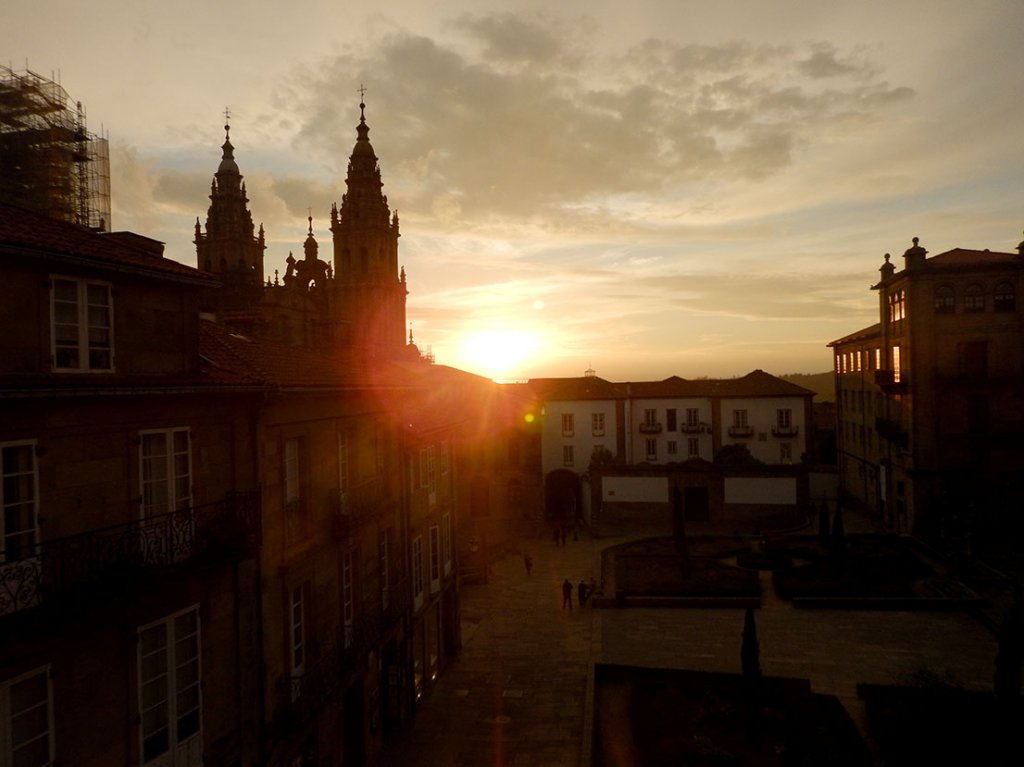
(966, 257)
(754, 384)
(36, 235)
(865, 334)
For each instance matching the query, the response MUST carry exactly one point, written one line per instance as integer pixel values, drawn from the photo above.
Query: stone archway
(562, 501)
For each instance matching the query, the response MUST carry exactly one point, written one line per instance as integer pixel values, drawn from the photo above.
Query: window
(343, 468)
(785, 452)
(170, 684)
(652, 449)
(166, 466)
(897, 306)
(857, 355)
(739, 419)
(650, 417)
(896, 369)
(878, 359)
(1004, 299)
(597, 424)
(567, 455)
(444, 457)
(417, 572)
(670, 419)
(692, 418)
(26, 719)
(673, 447)
(298, 622)
(784, 418)
(428, 476)
(945, 301)
(385, 574)
(435, 559)
(974, 298)
(19, 513)
(83, 336)
(693, 447)
(568, 425)
(348, 610)
(296, 522)
(446, 544)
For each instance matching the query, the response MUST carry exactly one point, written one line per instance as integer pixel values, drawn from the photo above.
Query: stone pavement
(519, 692)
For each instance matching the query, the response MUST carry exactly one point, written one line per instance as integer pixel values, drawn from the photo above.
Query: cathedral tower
(229, 248)
(370, 289)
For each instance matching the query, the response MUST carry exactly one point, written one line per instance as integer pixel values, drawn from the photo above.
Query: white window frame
(178, 496)
(189, 751)
(445, 456)
(692, 417)
(435, 559)
(786, 449)
(81, 326)
(672, 447)
(650, 416)
(417, 573)
(7, 716)
(597, 424)
(739, 418)
(693, 447)
(348, 605)
(651, 444)
(568, 425)
(27, 548)
(298, 629)
(784, 418)
(568, 455)
(446, 544)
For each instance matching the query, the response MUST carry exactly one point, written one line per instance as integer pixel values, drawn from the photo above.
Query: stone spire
(230, 245)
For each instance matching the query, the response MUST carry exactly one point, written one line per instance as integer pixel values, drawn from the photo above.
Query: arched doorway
(562, 496)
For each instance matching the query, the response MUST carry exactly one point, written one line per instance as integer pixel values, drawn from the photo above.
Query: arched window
(974, 298)
(945, 300)
(1005, 298)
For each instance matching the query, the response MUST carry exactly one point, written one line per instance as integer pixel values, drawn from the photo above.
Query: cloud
(526, 127)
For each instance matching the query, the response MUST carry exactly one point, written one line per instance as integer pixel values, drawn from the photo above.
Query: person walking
(566, 594)
(582, 593)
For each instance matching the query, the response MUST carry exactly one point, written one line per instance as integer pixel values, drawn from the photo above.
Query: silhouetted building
(729, 444)
(930, 398)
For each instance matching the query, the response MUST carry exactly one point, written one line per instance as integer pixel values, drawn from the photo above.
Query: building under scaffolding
(49, 162)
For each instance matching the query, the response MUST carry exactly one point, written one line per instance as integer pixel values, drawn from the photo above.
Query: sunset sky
(675, 187)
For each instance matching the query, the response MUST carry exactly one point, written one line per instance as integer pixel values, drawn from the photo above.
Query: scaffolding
(49, 162)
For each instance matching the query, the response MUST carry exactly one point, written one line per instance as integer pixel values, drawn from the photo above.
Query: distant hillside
(822, 384)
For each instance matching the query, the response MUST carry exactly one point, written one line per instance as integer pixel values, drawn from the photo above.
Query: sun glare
(498, 353)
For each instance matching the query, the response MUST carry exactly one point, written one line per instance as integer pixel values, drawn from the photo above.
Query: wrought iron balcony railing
(741, 431)
(357, 505)
(785, 432)
(694, 428)
(650, 428)
(226, 528)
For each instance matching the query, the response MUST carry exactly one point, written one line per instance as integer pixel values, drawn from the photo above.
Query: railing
(741, 431)
(650, 428)
(886, 381)
(694, 428)
(357, 505)
(785, 432)
(225, 528)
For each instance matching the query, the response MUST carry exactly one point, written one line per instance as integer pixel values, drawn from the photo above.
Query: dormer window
(1005, 298)
(82, 327)
(945, 301)
(974, 298)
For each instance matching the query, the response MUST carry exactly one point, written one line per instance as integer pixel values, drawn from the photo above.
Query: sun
(498, 353)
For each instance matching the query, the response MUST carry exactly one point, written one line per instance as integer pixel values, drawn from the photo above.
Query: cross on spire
(227, 122)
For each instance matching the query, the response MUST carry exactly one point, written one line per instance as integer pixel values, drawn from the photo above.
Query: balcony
(695, 428)
(892, 431)
(785, 432)
(228, 529)
(358, 505)
(741, 432)
(650, 428)
(886, 381)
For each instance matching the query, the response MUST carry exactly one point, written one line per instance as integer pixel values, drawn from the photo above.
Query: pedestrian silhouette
(582, 593)
(566, 594)
(528, 563)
